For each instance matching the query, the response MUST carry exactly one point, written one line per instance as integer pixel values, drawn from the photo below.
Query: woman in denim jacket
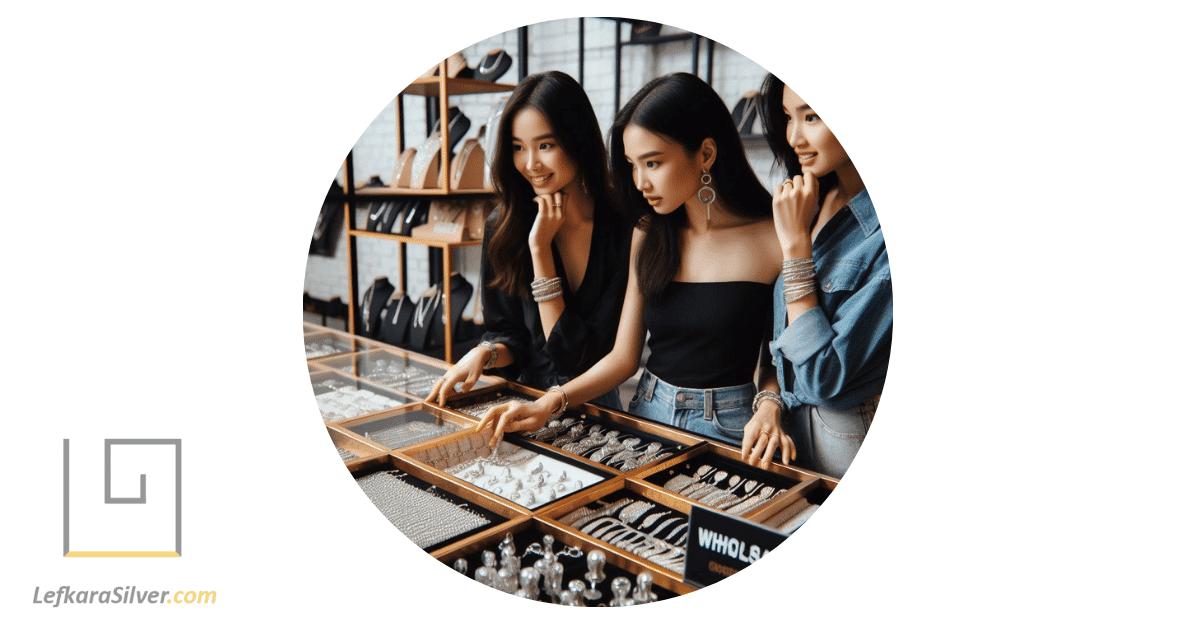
(832, 331)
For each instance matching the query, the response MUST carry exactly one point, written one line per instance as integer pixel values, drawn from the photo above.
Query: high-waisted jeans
(714, 413)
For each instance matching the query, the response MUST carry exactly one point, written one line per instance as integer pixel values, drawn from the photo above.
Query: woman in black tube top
(703, 261)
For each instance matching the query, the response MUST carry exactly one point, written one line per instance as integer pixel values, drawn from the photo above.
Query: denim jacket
(836, 355)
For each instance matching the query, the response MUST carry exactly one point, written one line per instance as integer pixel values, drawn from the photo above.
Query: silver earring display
(706, 194)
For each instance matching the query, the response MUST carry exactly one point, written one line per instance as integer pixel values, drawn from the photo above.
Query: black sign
(720, 545)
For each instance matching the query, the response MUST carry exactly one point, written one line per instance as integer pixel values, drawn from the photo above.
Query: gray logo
(110, 499)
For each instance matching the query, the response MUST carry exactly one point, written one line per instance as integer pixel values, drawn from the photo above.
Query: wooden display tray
(603, 415)
(417, 455)
(349, 426)
(622, 558)
(485, 501)
(349, 344)
(802, 481)
(314, 367)
(391, 393)
(564, 536)
(364, 450)
(808, 485)
(360, 362)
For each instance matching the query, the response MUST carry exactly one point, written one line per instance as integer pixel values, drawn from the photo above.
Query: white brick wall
(553, 45)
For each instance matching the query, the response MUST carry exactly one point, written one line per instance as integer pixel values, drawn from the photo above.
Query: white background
(1031, 164)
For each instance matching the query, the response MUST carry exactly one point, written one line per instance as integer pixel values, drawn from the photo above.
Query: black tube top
(708, 335)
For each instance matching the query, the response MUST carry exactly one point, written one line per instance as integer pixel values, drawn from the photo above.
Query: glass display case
(594, 481)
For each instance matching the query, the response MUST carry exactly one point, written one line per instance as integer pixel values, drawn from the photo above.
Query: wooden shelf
(430, 87)
(440, 89)
(438, 244)
(386, 192)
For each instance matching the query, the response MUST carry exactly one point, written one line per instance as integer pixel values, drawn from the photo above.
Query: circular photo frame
(709, 266)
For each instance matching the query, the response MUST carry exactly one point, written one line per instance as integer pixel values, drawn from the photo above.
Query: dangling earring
(706, 194)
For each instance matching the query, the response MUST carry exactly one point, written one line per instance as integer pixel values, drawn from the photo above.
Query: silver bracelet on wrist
(791, 296)
(767, 395)
(494, 353)
(546, 289)
(563, 407)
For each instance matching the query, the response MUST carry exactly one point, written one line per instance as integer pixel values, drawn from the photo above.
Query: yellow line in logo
(122, 555)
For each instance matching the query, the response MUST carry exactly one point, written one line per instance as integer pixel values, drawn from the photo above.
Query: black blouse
(708, 335)
(587, 328)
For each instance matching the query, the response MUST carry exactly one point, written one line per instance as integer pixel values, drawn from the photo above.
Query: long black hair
(770, 110)
(685, 109)
(564, 104)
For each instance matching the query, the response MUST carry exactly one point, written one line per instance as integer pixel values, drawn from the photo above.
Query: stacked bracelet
(563, 407)
(767, 395)
(493, 353)
(799, 278)
(546, 288)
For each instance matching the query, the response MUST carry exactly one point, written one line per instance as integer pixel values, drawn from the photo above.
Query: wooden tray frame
(405, 401)
(545, 517)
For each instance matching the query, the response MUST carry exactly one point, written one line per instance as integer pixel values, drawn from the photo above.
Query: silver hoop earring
(706, 194)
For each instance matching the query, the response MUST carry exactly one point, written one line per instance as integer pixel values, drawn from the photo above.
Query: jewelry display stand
(651, 504)
(436, 90)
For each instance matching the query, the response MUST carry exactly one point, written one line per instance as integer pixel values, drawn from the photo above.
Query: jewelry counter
(613, 439)
(408, 372)
(609, 488)
(340, 397)
(407, 426)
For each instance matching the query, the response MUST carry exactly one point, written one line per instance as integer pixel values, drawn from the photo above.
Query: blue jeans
(714, 413)
(827, 440)
(610, 399)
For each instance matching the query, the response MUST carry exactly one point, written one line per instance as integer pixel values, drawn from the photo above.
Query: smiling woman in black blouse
(556, 253)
